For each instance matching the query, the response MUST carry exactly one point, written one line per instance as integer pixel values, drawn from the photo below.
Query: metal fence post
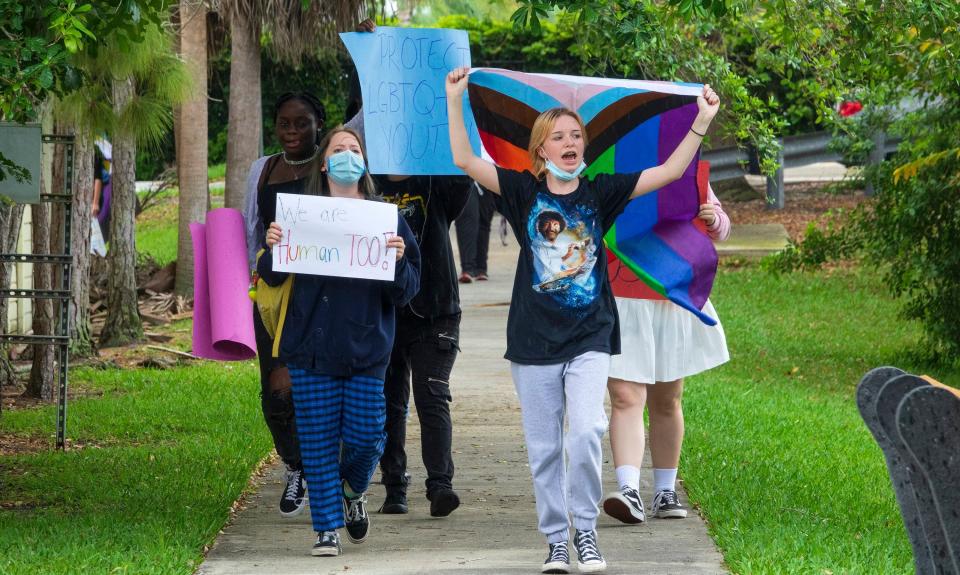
(775, 184)
(876, 156)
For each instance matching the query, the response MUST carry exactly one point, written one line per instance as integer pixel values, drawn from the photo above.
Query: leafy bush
(910, 233)
(837, 240)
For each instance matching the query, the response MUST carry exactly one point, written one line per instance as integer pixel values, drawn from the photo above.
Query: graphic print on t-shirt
(413, 208)
(563, 244)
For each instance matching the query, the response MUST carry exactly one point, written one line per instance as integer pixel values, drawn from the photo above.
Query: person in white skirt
(662, 343)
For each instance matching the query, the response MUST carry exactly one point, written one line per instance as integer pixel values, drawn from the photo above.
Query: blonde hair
(542, 128)
(317, 185)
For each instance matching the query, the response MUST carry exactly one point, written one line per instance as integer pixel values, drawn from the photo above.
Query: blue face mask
(345, 167)
(563, 175)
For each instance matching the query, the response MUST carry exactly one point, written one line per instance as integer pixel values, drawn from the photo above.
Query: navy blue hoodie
(344, 327)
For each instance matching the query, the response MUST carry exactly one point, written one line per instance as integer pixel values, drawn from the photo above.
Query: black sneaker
(293, 499)
(443, 501)
(355, 517)
(327, 545)
(558, 560)
(589, 559)
(625, 505)
(666, 505)
(395, 503)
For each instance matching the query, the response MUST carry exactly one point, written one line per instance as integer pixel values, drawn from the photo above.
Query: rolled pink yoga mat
(222, 312)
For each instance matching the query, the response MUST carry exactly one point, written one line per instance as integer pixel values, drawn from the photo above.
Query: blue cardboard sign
(402, 74)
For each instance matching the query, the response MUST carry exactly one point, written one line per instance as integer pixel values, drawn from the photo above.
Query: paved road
(494, 531)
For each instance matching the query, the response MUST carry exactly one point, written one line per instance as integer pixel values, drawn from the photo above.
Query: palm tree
(292, 33)
(128, 96)
(191, 138)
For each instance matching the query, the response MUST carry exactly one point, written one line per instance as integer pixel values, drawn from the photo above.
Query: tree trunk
(41, 384)
(123, 318)
(81, 343)
(244, 121)
(192, 144)
(10, 217)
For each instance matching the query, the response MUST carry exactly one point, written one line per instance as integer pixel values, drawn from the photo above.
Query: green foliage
(160, 78)
(40, 36)
(670, 41)
(915, 230)
(834, 242)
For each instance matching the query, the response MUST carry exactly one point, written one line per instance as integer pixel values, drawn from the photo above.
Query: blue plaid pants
(332, 411)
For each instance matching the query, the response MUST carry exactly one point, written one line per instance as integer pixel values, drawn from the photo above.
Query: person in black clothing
(426, 343)
(427, 330)
(299, 118)
(473, 234)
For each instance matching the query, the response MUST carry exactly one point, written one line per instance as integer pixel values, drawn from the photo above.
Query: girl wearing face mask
(336, 340)
(562, 327)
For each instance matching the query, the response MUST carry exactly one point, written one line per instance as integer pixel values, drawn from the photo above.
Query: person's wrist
(701, 124)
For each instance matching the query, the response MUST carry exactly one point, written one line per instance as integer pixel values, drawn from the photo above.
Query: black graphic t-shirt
(429, 204)
(562, 305)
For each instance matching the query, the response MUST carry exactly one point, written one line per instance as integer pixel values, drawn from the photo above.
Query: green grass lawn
(166, 453)
(216, 172)
(787, 475)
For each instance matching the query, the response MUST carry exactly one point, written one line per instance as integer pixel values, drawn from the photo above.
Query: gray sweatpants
(576, 387)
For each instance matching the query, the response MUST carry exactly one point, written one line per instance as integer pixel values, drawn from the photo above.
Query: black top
(429, 204)
(562, 305)
(267, 198)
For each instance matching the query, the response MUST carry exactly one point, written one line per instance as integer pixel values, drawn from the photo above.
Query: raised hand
(708, 103)
(457, 82)
(367, 25)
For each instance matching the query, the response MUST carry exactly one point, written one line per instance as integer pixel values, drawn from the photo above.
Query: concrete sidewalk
(495, 529)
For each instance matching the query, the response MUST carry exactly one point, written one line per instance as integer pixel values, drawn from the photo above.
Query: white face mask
(345, 167)
(564, 175)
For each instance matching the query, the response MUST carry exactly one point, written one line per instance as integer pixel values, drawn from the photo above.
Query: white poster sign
(335, 237)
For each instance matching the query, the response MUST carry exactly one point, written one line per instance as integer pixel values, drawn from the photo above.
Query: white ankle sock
(664, 480)
(628, 476)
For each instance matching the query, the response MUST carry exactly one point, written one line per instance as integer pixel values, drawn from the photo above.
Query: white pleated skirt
(661, 341)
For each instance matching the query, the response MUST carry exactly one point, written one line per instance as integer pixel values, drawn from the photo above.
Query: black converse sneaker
(327, 545)
(666, 505)
(558, 560)
(589, 559)
(625, 505)
(355, 517)
(293, 499)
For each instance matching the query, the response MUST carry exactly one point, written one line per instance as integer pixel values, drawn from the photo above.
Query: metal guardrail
(729, 163)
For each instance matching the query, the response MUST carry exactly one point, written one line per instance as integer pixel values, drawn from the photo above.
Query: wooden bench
(916, 422)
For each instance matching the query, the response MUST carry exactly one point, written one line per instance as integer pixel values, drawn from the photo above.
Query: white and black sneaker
(327, 545)
(293, 499)
(558, 559)
(666, 505)
(355, 517)
(589, 559)
(625, 506)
